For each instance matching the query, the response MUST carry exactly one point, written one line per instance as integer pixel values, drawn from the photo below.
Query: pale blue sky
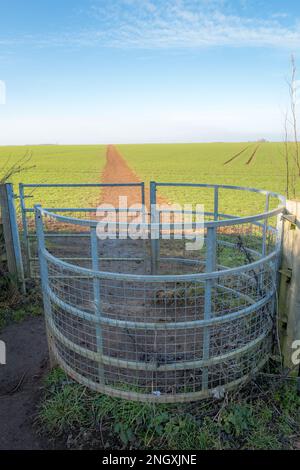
(98, 71)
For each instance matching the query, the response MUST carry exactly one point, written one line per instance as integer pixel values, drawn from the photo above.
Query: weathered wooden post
(289, 291)
(11, 234)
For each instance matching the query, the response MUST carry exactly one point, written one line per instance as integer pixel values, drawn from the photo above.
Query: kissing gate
(147, 319)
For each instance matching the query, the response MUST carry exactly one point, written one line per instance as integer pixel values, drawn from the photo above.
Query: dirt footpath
(21, 384)
(118, 171)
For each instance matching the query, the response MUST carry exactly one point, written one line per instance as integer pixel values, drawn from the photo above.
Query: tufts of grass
(267, 420)
(185, 432)
(65, 410)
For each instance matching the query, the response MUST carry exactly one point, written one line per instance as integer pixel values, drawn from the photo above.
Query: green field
(205, 163)
(57, 164)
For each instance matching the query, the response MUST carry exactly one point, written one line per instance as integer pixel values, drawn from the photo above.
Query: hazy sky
(99, 71)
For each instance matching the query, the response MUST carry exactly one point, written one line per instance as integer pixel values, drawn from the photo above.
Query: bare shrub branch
(291, 151)
(20, 166)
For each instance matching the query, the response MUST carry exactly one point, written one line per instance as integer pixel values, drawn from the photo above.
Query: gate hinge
(287, 273)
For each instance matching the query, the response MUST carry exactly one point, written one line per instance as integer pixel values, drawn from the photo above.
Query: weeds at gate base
(15, 307)
(263, 415)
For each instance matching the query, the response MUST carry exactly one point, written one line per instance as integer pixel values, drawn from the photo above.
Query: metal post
(44, 281)
(25, 230)
(11, 234)
(144, 219)
(216, 203)
(265, 226)
(97, 300)
(155, 233)
(264, 248)
(209, 267)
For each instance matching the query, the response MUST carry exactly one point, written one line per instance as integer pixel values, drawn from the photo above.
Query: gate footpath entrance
(26, 192)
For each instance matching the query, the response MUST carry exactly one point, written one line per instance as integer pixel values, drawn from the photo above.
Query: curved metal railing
(159, 325)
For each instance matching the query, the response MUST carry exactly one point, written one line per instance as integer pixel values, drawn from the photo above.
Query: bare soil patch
(21, 384)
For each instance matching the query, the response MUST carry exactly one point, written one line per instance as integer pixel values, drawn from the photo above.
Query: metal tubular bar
(144, 222)
(216, 203)
(209, 267)
(97, 300)
(226, 186)
(155, 223)
(25, 230)
(265, 225)
(44, 279)
(104, 258)
(218, 223)
(222, 319)
(160, 278)
(78, 185)
(82, 209)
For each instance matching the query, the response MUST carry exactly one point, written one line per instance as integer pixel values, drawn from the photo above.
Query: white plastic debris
(218, 392)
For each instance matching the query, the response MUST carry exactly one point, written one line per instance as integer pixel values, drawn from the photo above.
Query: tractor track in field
(118, 171)
(252, 155)
(236, 155)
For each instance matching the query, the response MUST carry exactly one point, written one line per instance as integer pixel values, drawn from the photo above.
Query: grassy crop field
(57, 164)
(258, 165)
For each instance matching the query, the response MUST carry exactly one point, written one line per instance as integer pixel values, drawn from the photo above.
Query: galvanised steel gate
(176, 329)
(29, 197)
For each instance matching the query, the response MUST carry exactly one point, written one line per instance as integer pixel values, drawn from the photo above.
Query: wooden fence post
(289, 291)
(11, 234)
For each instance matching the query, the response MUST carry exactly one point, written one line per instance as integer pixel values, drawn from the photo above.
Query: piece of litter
(218, 392)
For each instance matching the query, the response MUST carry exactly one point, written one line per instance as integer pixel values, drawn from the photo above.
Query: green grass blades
(269, 420)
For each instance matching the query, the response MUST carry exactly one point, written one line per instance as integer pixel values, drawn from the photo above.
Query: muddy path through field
(118, 171)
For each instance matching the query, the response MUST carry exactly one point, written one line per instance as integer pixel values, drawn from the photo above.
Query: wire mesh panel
(200, 325)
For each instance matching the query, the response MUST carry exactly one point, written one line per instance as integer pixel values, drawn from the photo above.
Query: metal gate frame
(25, 211)
(266, 262)
(155, 214)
